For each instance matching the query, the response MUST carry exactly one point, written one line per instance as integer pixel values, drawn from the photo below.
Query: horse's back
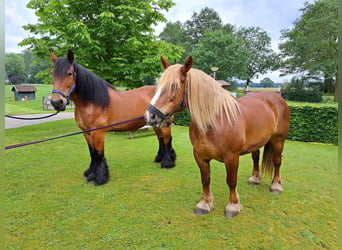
(144, 92)
(253, 100)
(265, 114)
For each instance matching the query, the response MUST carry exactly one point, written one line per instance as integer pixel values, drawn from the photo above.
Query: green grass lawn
(48, 204)
(32, 106)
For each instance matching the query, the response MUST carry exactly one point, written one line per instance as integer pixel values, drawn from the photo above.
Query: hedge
(302, 95)
(314, 124)
(307, 123)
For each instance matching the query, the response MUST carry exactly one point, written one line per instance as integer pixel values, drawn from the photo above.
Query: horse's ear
(164, 62)
(70, 56)
(53, 56)
(187, 64)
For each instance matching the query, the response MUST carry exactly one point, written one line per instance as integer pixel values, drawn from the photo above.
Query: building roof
(223, 83)
(24, 88)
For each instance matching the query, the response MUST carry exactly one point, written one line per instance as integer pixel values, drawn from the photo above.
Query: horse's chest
(207, 147)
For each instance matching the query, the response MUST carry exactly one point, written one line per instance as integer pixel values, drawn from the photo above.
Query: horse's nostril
(61, 101)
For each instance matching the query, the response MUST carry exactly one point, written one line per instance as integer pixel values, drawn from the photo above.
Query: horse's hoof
(95, 181)
(87, 172)
(167, 165)
(231, 214)
(201, 211)
(232, 210)
(276, 188)
(253, 181)
(158, 158)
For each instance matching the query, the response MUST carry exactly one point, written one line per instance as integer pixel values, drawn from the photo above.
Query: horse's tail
(267, 160)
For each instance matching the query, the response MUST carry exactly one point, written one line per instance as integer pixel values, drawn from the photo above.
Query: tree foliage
(311, 45)
(114, 40)
(266, 82)
(15, 68)
(260, 56)
(222, 50)
(238, 52)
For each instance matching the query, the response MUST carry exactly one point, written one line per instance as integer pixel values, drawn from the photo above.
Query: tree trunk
(247, 84)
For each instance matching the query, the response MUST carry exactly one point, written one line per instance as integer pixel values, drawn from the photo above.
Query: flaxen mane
(206, 99)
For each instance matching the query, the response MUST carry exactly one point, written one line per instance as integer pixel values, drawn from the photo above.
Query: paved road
(14, 123)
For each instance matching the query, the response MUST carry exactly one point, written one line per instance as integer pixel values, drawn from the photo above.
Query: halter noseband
(67, 96)
(164, 117)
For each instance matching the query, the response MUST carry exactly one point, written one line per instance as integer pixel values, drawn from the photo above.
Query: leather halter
(67, 96)
(165, 117)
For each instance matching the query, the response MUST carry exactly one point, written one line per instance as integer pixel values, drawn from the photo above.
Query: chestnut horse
(223, 127)
(97, 104)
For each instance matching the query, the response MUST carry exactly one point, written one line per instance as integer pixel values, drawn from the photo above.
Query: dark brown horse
(98, 104)
(223, 127)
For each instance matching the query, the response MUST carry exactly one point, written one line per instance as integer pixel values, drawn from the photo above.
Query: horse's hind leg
(97, 173)
(278, 146)
(255, 178)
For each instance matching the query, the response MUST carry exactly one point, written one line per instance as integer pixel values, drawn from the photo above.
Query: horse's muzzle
(152, 119)
(59, 104)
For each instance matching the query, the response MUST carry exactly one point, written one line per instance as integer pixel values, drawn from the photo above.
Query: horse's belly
(252, 147)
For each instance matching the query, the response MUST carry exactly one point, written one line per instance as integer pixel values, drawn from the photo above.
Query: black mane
(89, 87)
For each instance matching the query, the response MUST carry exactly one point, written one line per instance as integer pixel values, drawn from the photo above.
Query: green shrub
(302, 95)
(182, 118)
(314, 124)
(307, 123)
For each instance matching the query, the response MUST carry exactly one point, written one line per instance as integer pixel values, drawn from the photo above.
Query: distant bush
(302, 95)
(297, 90)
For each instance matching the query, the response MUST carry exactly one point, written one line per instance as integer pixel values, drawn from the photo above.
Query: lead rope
(76, 133)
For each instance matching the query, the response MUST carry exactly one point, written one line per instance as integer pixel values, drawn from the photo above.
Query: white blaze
(156, 96)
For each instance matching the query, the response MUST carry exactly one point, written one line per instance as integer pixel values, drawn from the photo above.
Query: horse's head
(64, 75)
(170, 96)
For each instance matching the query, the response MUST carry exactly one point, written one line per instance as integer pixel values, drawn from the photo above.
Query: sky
(270, 15)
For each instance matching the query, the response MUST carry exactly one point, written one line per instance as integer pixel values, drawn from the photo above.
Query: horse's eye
(69, 74)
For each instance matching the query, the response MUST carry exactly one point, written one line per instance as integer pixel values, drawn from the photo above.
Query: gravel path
(14, 123)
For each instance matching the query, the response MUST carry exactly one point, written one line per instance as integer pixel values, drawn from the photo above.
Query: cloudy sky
(270, 15)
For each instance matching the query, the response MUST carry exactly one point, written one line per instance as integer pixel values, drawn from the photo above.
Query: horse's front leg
(207, 201)
(234, 207)
(97, 173)
(166, 154)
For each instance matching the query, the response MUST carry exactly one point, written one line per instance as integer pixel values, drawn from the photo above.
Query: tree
(175, 34)
(189, 33)
(261, 58)
(207, 20)
(15, 68)
(242, 53)
(225, 53)
(266, 82)
(311, 46)
(113, 40)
